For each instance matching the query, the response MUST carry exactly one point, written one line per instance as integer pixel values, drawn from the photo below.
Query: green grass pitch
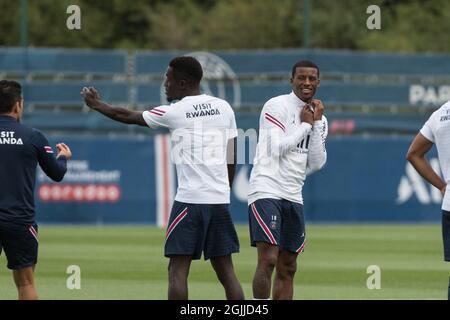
(127, 263)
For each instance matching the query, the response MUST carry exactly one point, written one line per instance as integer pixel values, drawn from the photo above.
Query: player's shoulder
(281, 99)
(216, 100)
(35, 133)
(26, 130)
(442, 110)
(278, 102)
(219, 103)
(445, 107)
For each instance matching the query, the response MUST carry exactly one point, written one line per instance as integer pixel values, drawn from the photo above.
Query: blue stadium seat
(255, 94)
(68, 92)
(280, 62)
(68, 61)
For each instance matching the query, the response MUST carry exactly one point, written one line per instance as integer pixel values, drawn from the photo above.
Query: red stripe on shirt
(159, 110)
(156, 113)
(269, 116)
(275, 123)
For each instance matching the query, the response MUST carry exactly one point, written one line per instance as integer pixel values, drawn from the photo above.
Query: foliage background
(407, 25)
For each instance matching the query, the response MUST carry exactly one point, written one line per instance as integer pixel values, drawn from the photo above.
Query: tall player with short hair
(436, 131)
(203, 132)
(292, 133)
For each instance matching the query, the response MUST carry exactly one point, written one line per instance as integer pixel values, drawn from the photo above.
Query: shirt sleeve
(272, 124)
(158, 117)
(428, 129)
(317, 154)
(54, 168)
(233, 133)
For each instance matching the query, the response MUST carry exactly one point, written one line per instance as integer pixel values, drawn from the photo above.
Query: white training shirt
(200, 128)
(437, 130)
(287, 150)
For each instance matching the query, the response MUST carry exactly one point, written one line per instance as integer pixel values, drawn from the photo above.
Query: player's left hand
(91, 96)
(64, 150)
(318, 109)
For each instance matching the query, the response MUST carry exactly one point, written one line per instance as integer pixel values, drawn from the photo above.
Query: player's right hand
(91, 96)
(64, 150)
(307, 115)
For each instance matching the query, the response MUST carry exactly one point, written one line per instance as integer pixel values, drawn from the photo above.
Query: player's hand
(91, 96)
(318, 109)
(63, 150)
(307, 115)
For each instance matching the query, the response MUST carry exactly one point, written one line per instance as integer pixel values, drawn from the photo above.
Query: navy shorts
(20, 244)
(446, 234)
(197, 228)
(277, 222)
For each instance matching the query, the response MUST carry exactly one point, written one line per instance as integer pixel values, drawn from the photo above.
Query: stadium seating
(368, 92)
(279, 62)
(37, 61)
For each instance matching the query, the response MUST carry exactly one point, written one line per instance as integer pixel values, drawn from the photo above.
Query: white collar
(298, 102)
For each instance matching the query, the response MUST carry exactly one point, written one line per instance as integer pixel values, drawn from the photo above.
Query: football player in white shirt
(436, 131)
(203, 132)
(292, 133)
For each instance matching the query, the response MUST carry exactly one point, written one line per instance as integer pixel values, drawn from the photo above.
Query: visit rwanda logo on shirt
(7, 137)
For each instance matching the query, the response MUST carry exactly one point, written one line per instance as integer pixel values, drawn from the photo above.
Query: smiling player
(292, 133)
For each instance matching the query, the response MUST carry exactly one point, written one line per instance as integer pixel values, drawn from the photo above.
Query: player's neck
(194, 92)
(10, 114)
(301, 99)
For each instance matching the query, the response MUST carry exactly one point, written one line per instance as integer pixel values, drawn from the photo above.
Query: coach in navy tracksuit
(21, 149)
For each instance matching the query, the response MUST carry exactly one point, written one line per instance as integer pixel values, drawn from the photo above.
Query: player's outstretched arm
(416, 156)
(92, 99)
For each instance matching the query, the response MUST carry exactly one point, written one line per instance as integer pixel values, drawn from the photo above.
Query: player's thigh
(20, 244)
(293, 233)
(185, 231)
(446, 234)
(221, 238)
(265, 221)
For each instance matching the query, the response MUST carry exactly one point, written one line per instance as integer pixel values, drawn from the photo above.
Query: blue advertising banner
(118, 180)
(108, 181)
(364, 180)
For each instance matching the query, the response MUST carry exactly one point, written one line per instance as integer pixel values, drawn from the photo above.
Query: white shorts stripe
(302, 247)
(33, 232)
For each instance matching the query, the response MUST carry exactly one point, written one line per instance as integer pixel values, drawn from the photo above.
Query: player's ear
(18, 106)
(183, 84)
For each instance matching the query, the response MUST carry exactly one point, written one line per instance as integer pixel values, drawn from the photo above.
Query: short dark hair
(305, 64)
(10, 93)
(187, 68)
